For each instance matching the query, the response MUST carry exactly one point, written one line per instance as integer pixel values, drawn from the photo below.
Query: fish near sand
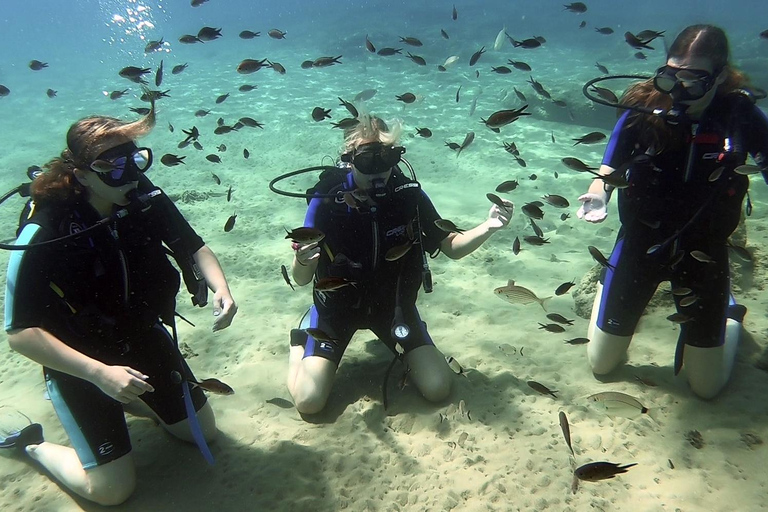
(595, 471)
(284, 272)
(519, 295)
(566, 431)
(541, 388)
(214, 386)
(599, 258)
(619, 404)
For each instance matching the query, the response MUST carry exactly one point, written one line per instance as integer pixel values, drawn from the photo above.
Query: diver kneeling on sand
(364, 245)
(682, 145)
(89, 288)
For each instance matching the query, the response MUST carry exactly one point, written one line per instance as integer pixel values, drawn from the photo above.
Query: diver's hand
(593, 207)
(224, 309)
(499, 217)
(305, 254)
(122, 383)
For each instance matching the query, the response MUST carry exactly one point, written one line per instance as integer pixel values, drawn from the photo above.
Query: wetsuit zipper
(123, 264)
(375, 226)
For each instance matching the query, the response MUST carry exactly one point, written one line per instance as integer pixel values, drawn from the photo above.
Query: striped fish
(518, 295)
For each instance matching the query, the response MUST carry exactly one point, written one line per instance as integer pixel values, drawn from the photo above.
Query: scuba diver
(379, 226)
(87, 296)
(679, 152)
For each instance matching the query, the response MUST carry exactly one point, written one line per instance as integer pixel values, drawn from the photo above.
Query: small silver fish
(619, 404)
(701, 256)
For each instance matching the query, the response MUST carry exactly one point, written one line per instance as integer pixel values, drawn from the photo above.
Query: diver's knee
(311, 403)
(434, 387)
(606, 351)
(113, 483)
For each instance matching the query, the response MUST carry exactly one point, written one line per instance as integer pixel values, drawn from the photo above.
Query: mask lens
(691, 84)
(142, 158)
(120, 170)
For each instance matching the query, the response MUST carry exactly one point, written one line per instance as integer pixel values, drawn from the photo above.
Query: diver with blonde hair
(87, 296)
(379, 226)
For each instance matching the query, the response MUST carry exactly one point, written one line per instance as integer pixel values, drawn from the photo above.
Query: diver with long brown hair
(87, 298)
(686, 180)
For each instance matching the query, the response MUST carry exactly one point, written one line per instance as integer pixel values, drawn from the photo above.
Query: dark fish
(159, 75)
(397, 252)
(350, 107)
(582, 24)
(556, 201)
(454, 14)
(346, 123)
(499, 202)
(602, 68)
(595, 471)
(476, 56)
(208, 33)
(457, 94)
(36, 65)
(202, 113)
(178, 68)
(134, 74)
(556, 317)
(229, 194)
(501, 70)
(154, 95)
(452, 145)
(406, 98)
(536, 228)
(641, 56)
(507, 186)
(276, 66)
(560, 103)
(51, 93)
(552, 328)
(153, 46)
(577, 7)
(324, 62)
(604, 93)
(521, 163)
(319, 113)
(213, 158)
(527, 44)
(522, 66)
(284, 271)
(246, 154)
(536, 240)
(541, 388)
(304, 235)
(197, 146)
(386, 52)
(566, 431)
(599, 258)
(189, 39)
(216, 179)
(532, 211)
(319, 334)
(276, 34)
(280, 402)
(444, 34)
(467, 141)
(564, 288)
(636, 43)
(172, 160)
(516, 246)
(4, 91)
(552, 134)
(649, 35)
(192, 134)
(564, 216)
(411, 41)
(214, 386)
(577, 165)
(247, 88)
(182, 144)
(248, 66)
(424, 132)
(679, 318)
(369, 45)
(222, 98)
(170, 127)
(577, 341)
(417, 59)
(250, 122)
(198, 3)
(606, 31)
(230, 223)
(142, 111)
(504, 117)
(248, 34)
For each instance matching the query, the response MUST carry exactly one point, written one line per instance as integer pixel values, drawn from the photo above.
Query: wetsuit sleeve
(427, 217)
(620, 145)
(178, 227)
(28, 296)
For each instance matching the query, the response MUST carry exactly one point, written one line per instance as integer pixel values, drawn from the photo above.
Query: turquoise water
(87, 42)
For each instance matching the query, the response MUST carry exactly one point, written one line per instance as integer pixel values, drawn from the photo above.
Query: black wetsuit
(689, 195)
(104, 294)
(355, 245)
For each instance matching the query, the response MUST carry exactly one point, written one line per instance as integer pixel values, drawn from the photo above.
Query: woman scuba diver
(687, 178)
